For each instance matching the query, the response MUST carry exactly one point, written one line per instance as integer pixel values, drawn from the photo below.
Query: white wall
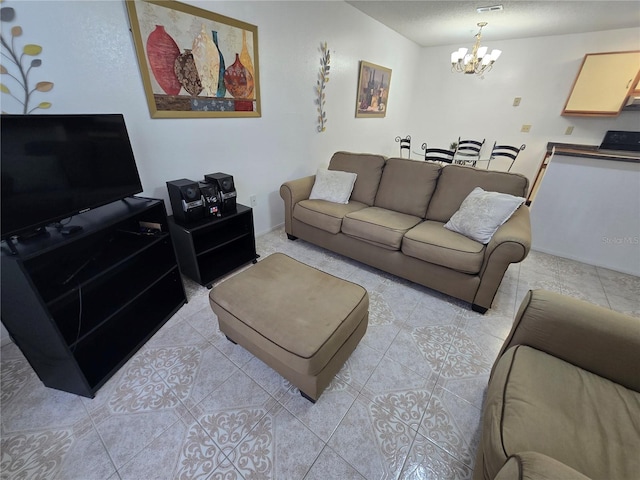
(589, 210)
(540, 70)
(89, 55)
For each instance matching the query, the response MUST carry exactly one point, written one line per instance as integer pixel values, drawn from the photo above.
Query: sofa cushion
(367, 166)
(540, 403)
(324, 215)
(482, 213)
(431, 242)
(332, 186)
(535, 466)
(407, 186)
(457, 181)
(381, 227)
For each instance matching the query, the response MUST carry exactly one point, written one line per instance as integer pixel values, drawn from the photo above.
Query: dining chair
(505, 151)
(468, 151)
(405, 144)
(438, 154)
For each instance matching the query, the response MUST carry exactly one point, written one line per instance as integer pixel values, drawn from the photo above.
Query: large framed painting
(373, 90)
(195, 63)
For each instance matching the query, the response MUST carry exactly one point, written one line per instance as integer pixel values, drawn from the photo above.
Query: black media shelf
(211, 248)
(80, 306)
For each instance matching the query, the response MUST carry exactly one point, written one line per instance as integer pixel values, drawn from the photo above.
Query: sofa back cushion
(457, 181)
(368, 168)
(407, 186)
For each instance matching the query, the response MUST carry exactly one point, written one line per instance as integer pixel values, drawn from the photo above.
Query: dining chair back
(505, 151)
(468, 151)
(438, 154)
(405, 144)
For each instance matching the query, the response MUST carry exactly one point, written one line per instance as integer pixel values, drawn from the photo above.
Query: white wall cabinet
(604, 82)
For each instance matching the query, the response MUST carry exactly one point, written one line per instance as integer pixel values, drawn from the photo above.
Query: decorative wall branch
(323, 78)
(20, 62)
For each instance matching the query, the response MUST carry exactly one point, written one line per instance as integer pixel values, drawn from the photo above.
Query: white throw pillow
(333, 186)
(482, 213)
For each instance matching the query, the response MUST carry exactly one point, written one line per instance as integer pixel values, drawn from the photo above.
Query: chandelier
(478, 61)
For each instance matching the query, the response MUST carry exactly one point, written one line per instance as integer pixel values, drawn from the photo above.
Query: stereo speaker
(226, 190)
(210, 197)
(186, 200)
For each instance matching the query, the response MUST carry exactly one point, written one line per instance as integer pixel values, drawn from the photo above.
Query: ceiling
(433, 23)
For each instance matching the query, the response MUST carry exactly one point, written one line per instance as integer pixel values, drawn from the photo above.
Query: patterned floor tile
(421, 350)
(34, 455)
(204, 321)
(126, 435)
(323, 417)
(87, 459)
(330, 465)
(452, 424)
(279, 446)
(382, 441)
(183, 451)
(473, 389)
(399, 391)
(232, 410)
(15, 374)
(237, 354)
(41, 408)
(265, 376)
(190, 404)
(471, 354)
(360, 365)
(426, 461)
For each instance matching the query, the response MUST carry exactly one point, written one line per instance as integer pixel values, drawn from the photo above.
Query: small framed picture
(373, 90)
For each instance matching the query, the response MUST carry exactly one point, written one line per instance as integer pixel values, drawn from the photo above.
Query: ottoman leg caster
(304, 395)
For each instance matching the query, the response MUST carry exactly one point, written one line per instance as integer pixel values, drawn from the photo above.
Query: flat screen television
(56, 166)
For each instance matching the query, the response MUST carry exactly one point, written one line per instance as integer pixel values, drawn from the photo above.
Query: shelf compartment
(97, 300)
(218, 262)
(59, 273)
(219, 234)
(107, 348)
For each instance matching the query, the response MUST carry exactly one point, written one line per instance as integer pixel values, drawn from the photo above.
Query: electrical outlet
(568, 131)
(516, 101)
(526, 128)
(253, 201)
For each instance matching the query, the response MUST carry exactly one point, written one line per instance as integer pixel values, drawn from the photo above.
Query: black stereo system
(192, 201)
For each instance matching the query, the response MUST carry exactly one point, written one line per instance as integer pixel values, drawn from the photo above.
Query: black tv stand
(125, 286)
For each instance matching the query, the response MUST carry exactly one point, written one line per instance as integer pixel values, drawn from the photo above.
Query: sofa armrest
(537, 466)
(515, 230)
(510, 244)
(589, 336)
(292, 192)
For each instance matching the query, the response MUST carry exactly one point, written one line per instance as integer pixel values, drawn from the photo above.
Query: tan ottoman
(300, 321)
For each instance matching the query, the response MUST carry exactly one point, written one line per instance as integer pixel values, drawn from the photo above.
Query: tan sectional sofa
(395, 219)
(563, 400)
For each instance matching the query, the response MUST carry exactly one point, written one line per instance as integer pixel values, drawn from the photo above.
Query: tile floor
(190, 404)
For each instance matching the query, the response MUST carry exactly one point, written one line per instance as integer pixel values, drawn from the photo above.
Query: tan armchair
(563, 400)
